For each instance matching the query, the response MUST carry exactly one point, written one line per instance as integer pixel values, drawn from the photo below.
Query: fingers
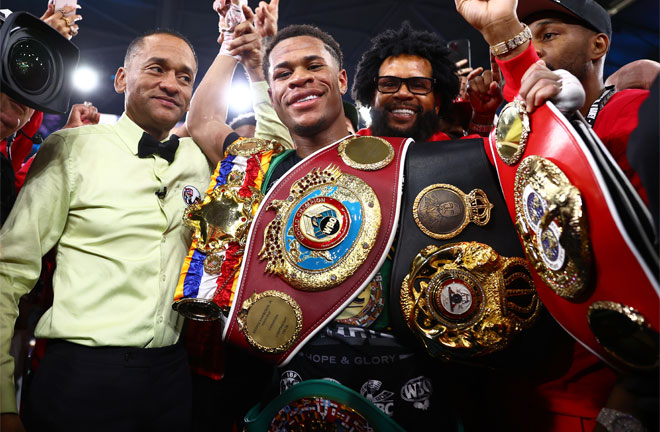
(49, 12)
(244, 28)
(249, 15)
(476, 72)
(495, 69)
(245, 42)
(539, 84)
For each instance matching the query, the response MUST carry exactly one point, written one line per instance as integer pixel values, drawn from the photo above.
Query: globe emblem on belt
(321, 223)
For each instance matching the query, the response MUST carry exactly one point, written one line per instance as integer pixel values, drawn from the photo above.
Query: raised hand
(496, 20)
(82, 114)
(247, 45)
(484, 90)
(266, 18)
(63, 20)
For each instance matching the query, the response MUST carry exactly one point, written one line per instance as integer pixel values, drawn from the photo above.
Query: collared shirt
(269, 125)
(119, 245)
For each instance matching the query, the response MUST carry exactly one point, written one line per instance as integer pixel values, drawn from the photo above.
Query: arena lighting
(85, 79)
(240, 97)
(365, 113)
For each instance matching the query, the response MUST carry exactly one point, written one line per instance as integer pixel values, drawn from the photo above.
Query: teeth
(307, 98)
(403, 111)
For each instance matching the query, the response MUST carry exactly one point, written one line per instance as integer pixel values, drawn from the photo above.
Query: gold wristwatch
(513, 43)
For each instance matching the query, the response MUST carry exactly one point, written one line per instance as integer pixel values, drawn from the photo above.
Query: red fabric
(513, 70)
(21, 147)
(583, 390)
(615, 123)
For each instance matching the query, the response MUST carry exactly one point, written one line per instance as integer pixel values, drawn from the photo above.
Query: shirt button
(163, 277)
(163, 240)
(160, 319)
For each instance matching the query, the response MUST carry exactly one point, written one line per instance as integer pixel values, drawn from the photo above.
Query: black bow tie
(149, 145)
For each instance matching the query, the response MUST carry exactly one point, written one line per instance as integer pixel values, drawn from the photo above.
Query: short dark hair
(303, 30)
(137, 42)
(242, 120)
(405, 40)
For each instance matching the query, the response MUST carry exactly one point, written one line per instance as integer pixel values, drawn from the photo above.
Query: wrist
(501, 30)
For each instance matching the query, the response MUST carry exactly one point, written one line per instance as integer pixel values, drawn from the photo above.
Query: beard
(426, 124)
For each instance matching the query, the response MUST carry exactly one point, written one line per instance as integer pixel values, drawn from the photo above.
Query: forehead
(164, 46)
(543, 18)
(406, 65)
(298, 48)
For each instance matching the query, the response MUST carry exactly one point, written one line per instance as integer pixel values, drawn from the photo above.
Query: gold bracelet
(513, 43)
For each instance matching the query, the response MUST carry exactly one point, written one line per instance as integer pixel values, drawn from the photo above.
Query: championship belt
(319, 405)
(221, 221)
(317, 240)
(584, 231)
(458, 276)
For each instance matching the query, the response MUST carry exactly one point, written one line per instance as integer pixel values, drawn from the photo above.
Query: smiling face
(13, 115)
(402, 110)
(158, 83)
(306, 86)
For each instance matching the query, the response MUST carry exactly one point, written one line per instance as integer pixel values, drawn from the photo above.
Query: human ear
(343, 81)
(120, 80)
(599, 46)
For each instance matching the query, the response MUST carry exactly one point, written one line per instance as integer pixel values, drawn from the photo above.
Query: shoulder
(77, 136)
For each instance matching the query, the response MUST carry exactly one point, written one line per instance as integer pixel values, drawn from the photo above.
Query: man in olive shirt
(111, 199)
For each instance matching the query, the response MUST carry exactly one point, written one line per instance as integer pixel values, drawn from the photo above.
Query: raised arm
(269, 126)
(207, 120)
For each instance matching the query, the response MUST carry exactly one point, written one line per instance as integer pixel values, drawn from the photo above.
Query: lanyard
(599, 104)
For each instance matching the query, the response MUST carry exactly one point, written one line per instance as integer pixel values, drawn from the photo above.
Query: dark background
(109, 25)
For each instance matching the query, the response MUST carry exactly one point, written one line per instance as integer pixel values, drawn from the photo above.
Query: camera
(36, 63)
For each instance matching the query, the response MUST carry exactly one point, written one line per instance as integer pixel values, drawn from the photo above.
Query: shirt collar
(129, 132)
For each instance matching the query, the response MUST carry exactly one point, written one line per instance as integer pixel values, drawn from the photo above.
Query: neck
(159, 134)
(306, 145)
(593, 88)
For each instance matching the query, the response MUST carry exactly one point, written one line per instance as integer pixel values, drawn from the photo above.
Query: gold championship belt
(465, 300)
(220, 223)
(317, 240)
(585, 231)
(463, 287)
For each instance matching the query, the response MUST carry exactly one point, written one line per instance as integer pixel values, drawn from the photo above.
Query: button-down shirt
(119, 245)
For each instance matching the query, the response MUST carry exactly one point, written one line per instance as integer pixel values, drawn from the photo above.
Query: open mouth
(304, 99)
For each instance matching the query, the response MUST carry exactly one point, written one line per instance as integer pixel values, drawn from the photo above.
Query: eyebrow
(163, 61)
(306, 58)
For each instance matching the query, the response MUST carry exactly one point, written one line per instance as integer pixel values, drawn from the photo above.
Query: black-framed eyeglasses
(415, 85)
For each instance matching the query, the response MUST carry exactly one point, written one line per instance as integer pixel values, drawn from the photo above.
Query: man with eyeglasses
(409, 81)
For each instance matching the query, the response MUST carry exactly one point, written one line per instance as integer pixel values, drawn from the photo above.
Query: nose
(300, 76)
(169, 83)
(403, 92)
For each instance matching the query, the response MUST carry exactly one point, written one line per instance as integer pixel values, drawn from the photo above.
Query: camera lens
(30, 65)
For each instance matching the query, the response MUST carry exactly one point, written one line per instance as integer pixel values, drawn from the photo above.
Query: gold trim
(492, 299)
(242, 318)
(285, 264)
(634, 342)
(561, 220)
(503, 127)
(223, 216)
(374, 166)
(247, 147)
(476, 209)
